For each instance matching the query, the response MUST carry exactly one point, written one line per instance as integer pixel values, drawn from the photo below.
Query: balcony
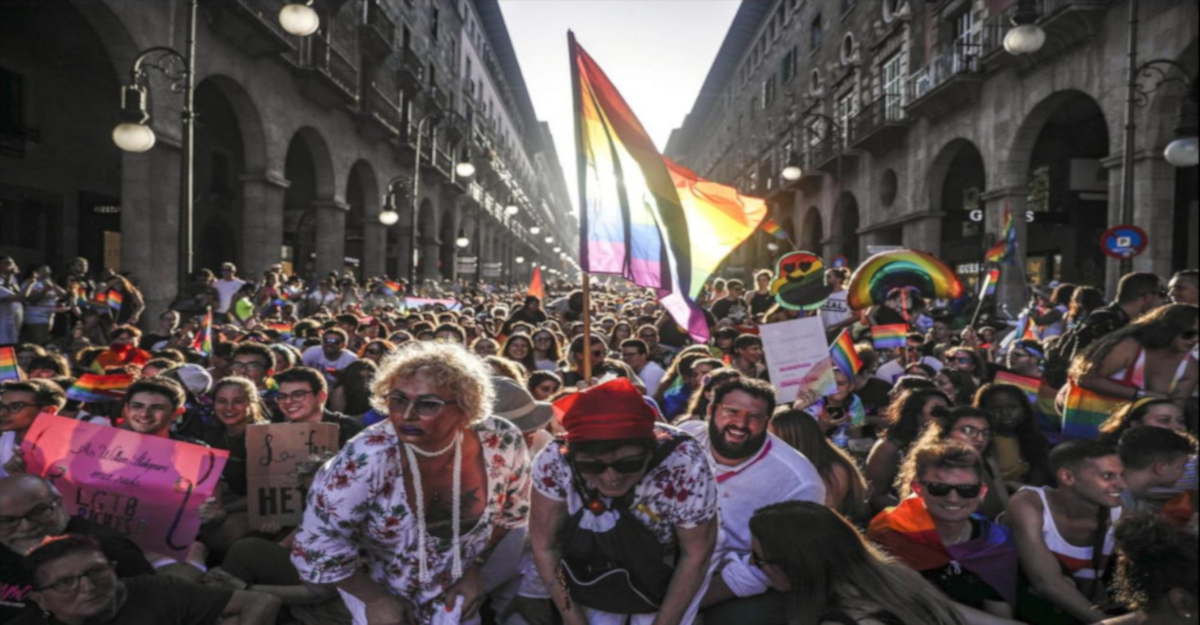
(879, 126)
(411, 71)
(1066, 22)
(380, 116)
(250, 25)
(327, 76)
(377, 33)
(951, 80)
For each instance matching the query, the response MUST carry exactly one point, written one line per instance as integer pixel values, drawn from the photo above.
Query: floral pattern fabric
(679, 492)
(358, 515)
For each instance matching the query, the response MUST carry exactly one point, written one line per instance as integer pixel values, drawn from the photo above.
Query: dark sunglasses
(966, 491)
(632, 464)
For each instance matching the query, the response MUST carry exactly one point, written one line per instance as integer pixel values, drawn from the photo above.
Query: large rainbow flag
(644, 218)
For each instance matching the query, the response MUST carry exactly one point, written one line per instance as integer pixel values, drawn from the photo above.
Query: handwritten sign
(798, 358)
(273, 455)
(146, 487)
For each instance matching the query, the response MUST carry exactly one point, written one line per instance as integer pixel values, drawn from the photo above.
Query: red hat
(612, 411)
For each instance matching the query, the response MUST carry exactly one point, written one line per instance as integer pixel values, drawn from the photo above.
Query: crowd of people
(510, 458)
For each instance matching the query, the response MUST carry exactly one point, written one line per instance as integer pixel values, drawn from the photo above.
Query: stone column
(374, 261)
(262, 220)
(403, 251)
(924, 233)
(430, 255)
(150, 222)
(1012, 292)
(1154, 211)
(330, 235)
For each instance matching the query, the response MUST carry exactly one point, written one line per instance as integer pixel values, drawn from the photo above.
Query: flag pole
(580, 161)
(587, 328)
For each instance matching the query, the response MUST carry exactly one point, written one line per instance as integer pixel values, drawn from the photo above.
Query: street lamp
(535, 231)
(511, 208)
(520, 260)
(299, 19)
(465, 168)
(792, 171)
(1026, 37)
(549, 239)
(390, 215)
(462, 241)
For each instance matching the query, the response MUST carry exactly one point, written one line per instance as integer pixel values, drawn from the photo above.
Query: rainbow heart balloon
(895, 269)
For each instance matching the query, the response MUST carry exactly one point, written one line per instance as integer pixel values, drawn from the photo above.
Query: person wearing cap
(403, 519)
(623, 479)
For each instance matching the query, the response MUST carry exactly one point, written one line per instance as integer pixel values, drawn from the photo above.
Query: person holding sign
(403, 519)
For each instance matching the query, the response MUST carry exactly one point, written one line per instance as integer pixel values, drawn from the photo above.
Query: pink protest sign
(145, 487)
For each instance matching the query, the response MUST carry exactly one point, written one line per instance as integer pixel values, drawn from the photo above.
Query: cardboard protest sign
(146, 487)
(798, 358)
(273, 455)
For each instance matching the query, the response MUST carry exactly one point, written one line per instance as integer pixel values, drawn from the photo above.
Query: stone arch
(323, 168)
(812, 233)
(957, 181)
(308, 203)
(249, 121)
(364, 233)
(844, 226)
(1014, 169)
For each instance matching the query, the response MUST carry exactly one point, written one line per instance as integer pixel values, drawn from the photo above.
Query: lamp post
(416, 189)
(134, 134)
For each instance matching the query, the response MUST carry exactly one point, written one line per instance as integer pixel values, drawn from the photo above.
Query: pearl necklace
(411, 453)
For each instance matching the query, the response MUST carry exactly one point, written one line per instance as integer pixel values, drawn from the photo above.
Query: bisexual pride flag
(889, 336)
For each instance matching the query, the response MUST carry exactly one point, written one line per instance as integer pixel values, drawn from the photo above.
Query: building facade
(297, 141)
(914, 127)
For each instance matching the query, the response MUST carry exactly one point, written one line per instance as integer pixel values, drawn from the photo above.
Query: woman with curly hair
(1156, 573)
(1084, 300)
(1147, 358)
(904, 421)
(1022, 451)
(405, 516)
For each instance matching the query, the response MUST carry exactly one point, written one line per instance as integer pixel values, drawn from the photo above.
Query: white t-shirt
(835, 309)
(227, 289)
(891, 370)
(651, 375)
(315, 357)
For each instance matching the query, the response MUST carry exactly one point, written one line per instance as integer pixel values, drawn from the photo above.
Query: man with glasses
(331, 356)
(21, 401)
(302, 396)
(31, 509)
(913, 354)
(972, 560)
(636, 354)
(1025, 358)
(753, 469)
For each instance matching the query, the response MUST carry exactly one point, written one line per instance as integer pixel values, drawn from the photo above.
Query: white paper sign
(798, 357)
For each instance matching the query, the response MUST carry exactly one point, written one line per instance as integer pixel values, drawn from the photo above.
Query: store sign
(969, 269)
(978, 214)
(107, 210)
(466, 264)
(492, 270)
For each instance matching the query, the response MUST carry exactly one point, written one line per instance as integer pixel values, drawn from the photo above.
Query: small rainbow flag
(280, 327)
(843, 354)
(115, 299)
(889, 336)
(770, 227)
(8, 364)
(392, 288)
(1005, 249)
(989, 284)
(1027, 385)
(100, 299)
(203, 341)
(1085, 411)
(95, 388)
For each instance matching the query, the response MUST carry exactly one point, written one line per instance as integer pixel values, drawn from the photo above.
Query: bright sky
(656, 52)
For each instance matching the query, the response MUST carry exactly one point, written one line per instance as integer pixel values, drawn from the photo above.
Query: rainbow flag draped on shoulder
(651, 221)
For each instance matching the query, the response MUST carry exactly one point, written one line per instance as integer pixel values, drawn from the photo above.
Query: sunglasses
(633, 464)
(966, 491)
(971, 431)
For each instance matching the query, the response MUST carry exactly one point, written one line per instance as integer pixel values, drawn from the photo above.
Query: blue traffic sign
(1123, 241)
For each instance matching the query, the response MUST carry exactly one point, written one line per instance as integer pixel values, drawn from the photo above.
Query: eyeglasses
(427, 408)
(729, 412)
(16, 406)
(99, 574)
(247, 366)
(287, 398)
(632, 464)
(41, 513)
(966, 491)
(758, 561)
(971, 431)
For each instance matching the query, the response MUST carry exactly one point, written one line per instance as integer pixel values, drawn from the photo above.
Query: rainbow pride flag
(96, 388)
(203, 342)
(1005, 249)
(643, 217)
(391, 288)
(1028, 385)
(889, 336)
(843, 354)
(989, 284)
(100, 299)
(770, 227)
(280, 327)
(1085, 411)
(115, 299)
(8, 364)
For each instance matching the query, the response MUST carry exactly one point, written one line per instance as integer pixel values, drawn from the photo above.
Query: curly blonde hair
(449, 366)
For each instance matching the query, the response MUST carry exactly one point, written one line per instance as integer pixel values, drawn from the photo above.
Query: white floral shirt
(358, 515)
(679, 492)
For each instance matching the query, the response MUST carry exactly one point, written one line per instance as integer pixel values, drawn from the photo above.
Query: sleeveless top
(1136, 373)
(1075, 561)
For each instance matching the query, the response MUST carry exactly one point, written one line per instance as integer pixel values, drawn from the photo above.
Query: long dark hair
(798, 429)
(964, 385)
(1035, 449)
(1084, 300)
(1155, 330)
(529, 362)
(1062, 295)
(903, 416)
(830, 557)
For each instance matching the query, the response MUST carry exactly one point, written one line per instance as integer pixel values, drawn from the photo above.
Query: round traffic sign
(840, 261)
(1124, 241)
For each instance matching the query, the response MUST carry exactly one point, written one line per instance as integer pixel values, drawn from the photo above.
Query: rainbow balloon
(894, 269)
